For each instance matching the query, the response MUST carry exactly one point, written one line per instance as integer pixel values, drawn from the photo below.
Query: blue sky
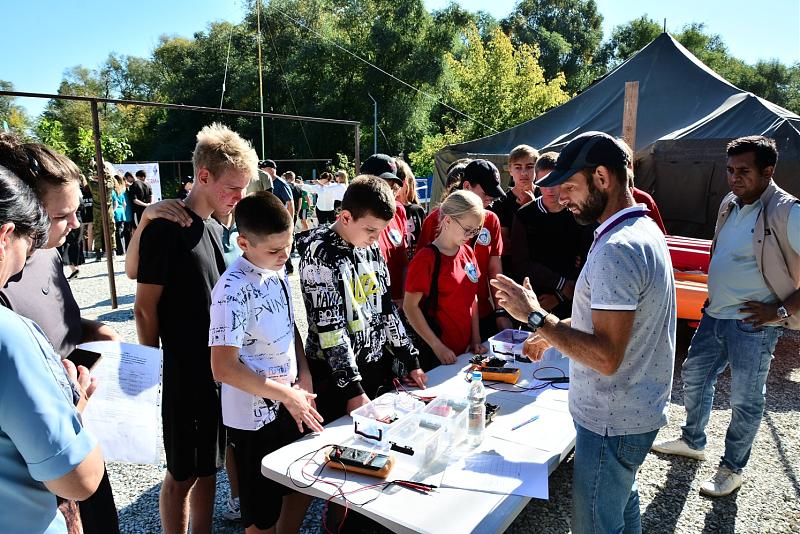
(40, 39)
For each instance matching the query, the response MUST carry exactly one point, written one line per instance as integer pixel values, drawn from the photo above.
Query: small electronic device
(361, 461)
(86, 358)
(509, 375)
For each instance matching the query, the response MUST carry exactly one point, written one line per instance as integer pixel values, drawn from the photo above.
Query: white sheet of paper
(124, 413)
(499, 466)
(548, 432)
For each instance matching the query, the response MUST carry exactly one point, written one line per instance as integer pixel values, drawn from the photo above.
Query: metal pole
(374, 125)
(182, 107)
(358, 149)
(101, 182)
(260, 78)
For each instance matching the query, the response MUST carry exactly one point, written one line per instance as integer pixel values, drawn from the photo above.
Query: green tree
(13, 117)
(51, 133)
(422, 160)
(626, 40)
(115, 150)
(567, 32)
(497, 85)
(500, 85)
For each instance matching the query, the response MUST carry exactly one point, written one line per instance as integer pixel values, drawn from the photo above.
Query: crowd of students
(389, 293)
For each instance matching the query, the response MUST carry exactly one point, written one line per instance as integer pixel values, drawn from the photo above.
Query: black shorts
(194, 437)
(260, 499)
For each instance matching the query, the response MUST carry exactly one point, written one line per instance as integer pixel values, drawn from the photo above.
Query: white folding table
(446, 509)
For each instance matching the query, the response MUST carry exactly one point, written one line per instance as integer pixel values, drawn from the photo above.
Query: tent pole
(629, 112)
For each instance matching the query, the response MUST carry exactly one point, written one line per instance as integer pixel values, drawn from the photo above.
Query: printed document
(124, 413)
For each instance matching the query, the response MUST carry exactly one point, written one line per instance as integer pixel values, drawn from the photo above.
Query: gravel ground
(769, 501)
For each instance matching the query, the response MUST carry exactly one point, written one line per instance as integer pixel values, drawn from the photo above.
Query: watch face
(535, 319)
(782, 313)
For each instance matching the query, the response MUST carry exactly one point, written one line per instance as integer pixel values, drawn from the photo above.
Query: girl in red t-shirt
(454, 310)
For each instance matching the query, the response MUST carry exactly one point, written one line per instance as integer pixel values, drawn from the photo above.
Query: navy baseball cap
(483, 172)
(589, 149)
(267, 163)
(382, 166)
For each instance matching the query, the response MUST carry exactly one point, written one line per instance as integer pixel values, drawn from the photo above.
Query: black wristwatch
(536, 320)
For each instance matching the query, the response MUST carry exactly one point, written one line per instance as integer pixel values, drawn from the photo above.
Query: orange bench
(690, 260)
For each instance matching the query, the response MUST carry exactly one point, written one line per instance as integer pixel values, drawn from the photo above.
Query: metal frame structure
(93, 101)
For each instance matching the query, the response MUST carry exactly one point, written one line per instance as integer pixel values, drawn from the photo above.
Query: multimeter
(360, 461)
(509, 375)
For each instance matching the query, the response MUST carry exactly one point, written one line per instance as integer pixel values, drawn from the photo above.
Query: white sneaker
(679, 447)
(232, 513)
(724, 482)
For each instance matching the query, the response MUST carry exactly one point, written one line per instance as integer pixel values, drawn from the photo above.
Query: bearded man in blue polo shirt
(753, 282)
(621, 337)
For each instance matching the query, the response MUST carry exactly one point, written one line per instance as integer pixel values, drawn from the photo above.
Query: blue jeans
(605, 498)
(748, 350)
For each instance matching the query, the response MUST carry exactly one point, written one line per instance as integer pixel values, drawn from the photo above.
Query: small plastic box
(417, 440)
(453, 413)
(372, 421)
(508, 343)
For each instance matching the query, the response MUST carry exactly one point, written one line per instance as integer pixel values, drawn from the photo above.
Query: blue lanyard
(629, 215)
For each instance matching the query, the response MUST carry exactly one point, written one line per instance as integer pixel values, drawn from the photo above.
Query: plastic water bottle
(477, 410)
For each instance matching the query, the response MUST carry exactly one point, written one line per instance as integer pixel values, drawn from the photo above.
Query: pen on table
(531, 420)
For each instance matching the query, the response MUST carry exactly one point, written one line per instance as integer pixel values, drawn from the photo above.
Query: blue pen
(531, 420)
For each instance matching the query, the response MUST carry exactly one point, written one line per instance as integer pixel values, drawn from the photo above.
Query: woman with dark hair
(40, 291)
(44, 450)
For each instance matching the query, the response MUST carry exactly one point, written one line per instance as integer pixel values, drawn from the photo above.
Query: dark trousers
(73, 246)
(326, 217)
(99, 512)
(122, 243)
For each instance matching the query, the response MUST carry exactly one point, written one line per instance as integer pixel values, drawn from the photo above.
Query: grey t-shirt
(628, 268)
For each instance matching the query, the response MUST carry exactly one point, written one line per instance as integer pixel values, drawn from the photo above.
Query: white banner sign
(153, 176)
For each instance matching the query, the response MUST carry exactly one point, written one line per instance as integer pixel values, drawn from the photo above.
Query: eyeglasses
(468, 232)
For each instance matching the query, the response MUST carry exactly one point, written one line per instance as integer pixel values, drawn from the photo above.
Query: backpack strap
(432, 301)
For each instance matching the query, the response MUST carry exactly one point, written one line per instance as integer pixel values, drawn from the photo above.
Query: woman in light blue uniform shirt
(44, 449)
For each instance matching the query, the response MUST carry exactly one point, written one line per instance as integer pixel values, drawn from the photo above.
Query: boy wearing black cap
(392, 240)
(621, 337)
(482, 178)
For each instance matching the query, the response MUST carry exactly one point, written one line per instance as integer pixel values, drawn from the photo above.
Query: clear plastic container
(508, 343)
(416, 440)
(452, 413)
(372, 421)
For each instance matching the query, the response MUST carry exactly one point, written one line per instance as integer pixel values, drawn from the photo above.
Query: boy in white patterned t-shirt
(257, 354)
